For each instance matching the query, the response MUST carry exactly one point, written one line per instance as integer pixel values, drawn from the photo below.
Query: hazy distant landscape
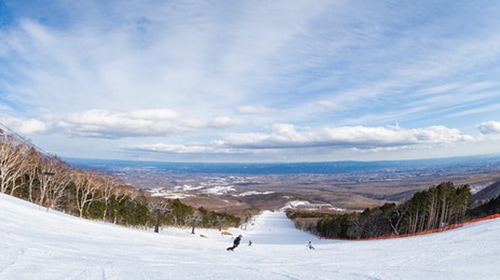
(335, 186)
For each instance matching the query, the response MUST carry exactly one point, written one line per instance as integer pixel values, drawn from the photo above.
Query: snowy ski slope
(36, 244)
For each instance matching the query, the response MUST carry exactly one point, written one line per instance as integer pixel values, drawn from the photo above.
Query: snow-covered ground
(36, 244)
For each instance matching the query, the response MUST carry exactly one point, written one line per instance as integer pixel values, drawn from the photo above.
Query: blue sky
(252, 80)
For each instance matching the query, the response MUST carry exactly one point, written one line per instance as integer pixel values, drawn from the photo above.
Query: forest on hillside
(47, 180)
(433, 208)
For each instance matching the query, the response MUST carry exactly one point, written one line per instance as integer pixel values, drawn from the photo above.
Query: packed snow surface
(40, 244)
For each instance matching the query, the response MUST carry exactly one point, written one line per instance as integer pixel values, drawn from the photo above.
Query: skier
(236, 242)
(310, 246)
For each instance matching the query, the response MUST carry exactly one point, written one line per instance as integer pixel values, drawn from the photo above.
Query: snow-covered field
(36, 244)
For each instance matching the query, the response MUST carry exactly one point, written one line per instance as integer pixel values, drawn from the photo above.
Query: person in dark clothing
(310, 246)
(236, 242)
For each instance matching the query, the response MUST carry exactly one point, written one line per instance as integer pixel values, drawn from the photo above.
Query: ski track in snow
(36, 244)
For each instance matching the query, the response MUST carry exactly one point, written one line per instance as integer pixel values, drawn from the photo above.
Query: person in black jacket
(236, 242)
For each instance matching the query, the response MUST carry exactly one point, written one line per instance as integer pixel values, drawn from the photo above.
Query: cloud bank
(491, 127)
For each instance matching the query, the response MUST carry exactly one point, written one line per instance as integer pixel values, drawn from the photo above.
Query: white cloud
(155, 114)
(285, 142)
(330, 105)
(490, 127)
(249, 109)
(26, 126)
(225, 122)
(32, 126)
(178, 149)
(107, 124)
(287, 136)
(140, 123)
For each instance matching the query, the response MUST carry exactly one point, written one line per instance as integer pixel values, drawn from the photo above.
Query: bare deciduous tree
(57, 178)
(86, 185)
(13, 162)
(109, 185)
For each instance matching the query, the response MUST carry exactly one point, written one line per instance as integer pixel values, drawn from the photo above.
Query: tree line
(48, 181)
(429, 209)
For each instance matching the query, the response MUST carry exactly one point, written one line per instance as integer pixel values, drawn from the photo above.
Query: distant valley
(331, 186)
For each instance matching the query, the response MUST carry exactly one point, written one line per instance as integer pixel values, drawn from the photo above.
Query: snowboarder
(236, 242)
(249, 242)
(310, 246)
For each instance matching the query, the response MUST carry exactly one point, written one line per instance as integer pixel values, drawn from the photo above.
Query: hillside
(37, 244)
(492, 191)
